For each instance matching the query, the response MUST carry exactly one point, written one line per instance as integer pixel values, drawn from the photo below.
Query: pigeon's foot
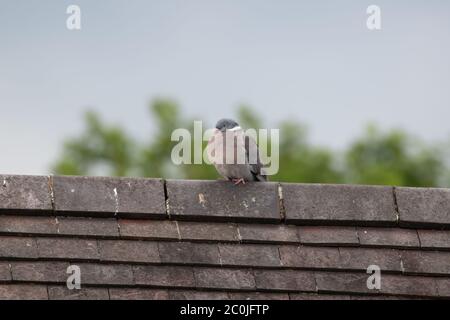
(238, 181)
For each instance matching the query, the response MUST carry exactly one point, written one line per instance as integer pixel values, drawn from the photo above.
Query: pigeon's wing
(252, 156)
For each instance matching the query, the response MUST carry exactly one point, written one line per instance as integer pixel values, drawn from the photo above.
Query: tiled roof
(153, 239)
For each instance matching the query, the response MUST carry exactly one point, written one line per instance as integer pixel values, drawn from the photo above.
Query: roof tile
(388, 237)
(223, 278)
(167, 276)
(23, 292)
(106, 227)
(313, 204)
(331, 236)
(128, 251)
(85, 293)
(285, 280)
(361, 259)
(434, 239)
(25, 193)
(208, 231)
(223, 201)
(423, 206)
(309, 257)
(5, 273)
(266, 233)
(148, 229)
(421, 262)
(40, 271)
(67, 248)
(28, 225)
(109, 196)
(328, 282)
(138, 294)
(16, 247)
(189, 253)
(105, 274)
(249, 255)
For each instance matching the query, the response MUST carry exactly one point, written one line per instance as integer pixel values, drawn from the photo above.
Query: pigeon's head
(227, 124)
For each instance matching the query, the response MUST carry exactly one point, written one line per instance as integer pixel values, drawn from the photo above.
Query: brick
(164, 276)
(434, 239)
(102, 274)
(337, 204)
(268, 233)
(309, 257)
(63, 293)
(443, 287)
(28, 225)
(197, 295)
(208, 231)
(5, 273)
(188, 253)
(409, 286)
(128, 251)
(390, 284)
(23, 292)
(361, 259)
(212, 278)
(315, 296)
(258, 296)
(420, 262)
(25, 193)
(40, 271)
(62, 248)
(328, 282)
(148, 229)
(223, 201)
(15, 247)
(285, 280)
(105, 227)
(423, 206)
(138, 294)
(135, 197)
(331, 236)
(388, 237)
(249, 255)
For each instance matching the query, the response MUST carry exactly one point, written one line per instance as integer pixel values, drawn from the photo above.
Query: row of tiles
(228, 255)
(211, 200)
(225, 279)
(225, 232)
(55, 292)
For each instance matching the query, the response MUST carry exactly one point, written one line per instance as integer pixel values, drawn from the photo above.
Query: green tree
(101, 148)
(300, 161)
(393, 158)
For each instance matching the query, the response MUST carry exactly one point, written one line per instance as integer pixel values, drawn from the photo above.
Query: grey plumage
(245, 164)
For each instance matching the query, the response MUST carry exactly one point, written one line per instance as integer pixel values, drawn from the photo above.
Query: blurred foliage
(377, 157)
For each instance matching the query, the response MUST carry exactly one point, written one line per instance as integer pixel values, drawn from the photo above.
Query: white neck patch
(235, 128)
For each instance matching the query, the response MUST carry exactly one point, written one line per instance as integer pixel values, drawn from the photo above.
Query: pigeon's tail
(260, 177)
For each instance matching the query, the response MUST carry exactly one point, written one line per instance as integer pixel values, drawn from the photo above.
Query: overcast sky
(315, 62)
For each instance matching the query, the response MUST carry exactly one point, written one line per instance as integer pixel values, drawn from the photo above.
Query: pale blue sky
(315, 62)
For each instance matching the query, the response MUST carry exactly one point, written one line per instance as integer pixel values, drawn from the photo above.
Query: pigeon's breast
(227, 152)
